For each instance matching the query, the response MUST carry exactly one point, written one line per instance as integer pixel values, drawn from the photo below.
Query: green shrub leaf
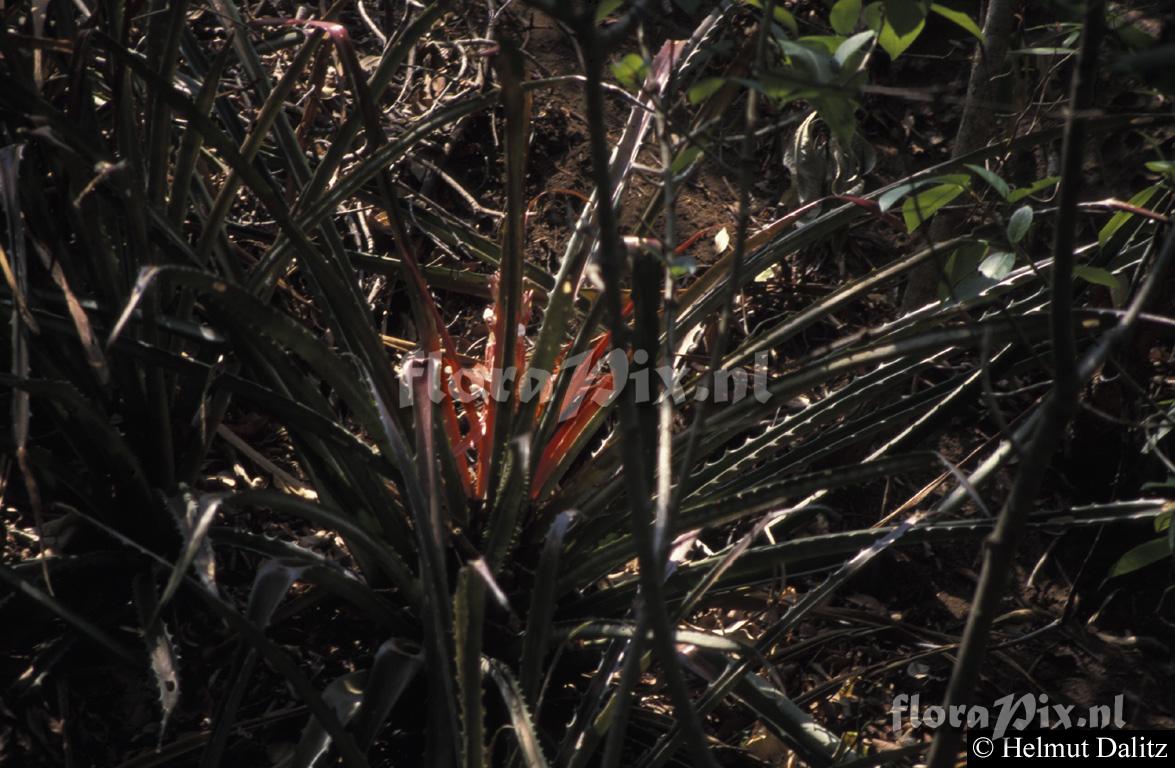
(1019, 224)
(1140, 557)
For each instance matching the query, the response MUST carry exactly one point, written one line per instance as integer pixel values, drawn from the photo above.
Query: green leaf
(959, 18)
(994, 268)
(1119, 219)
(1165, 167)
(605, 9)
(887, 200)
(897, 24)
(704, 89)
(683, 266)
(1103, 277)
(1140, 557)
(630, 71)
(685, 159)
(922, 206)
(1016, 195)
(1019, 224)
(782, 16)
(813, 59)
(850, 54)
(992, 178)
(828, 43)
(997, 265)
(844, 16)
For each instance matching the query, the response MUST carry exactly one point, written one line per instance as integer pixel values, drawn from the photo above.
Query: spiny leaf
(344, 695)
(524, 730)
(468, 618)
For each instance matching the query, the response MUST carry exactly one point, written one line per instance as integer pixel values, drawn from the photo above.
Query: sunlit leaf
(606, 8)
(959, 18)
(630, 71)
(1119, 219)
(1019, 224)
(918, 208)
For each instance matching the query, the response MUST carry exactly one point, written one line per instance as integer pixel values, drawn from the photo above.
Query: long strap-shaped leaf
(468, 619)
(584, 242)
(520, 717)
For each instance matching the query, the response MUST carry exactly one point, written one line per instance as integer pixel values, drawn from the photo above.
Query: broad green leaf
(887, 200)
(685, 159)
(1016, 195)
(918, 208)
(1140, 557)
(844, 16)
(782, 16)
(605, 9)
(905, 16)
(815, 62)
(826, 42)
(1119, 219)
(992, 178)
(990, 271)
(704, 89)
(964, 261)
(1163, 521)
(1165, 167)
(959, 18)
(1103, 277)
(839, 114)
(997, 265)
(850, 54)
(1019, 224)
(630, 71)
(897, 24)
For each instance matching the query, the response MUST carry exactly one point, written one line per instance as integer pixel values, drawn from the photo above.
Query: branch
(1056, 411)
(612, 270)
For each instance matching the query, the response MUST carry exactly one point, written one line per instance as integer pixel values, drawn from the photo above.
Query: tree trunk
(975, 127)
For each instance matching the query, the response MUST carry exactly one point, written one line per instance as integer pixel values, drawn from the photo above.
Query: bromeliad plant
(517, 569)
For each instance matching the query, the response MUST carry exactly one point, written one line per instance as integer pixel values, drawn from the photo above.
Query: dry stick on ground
(976, 125)
(1057, 409)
